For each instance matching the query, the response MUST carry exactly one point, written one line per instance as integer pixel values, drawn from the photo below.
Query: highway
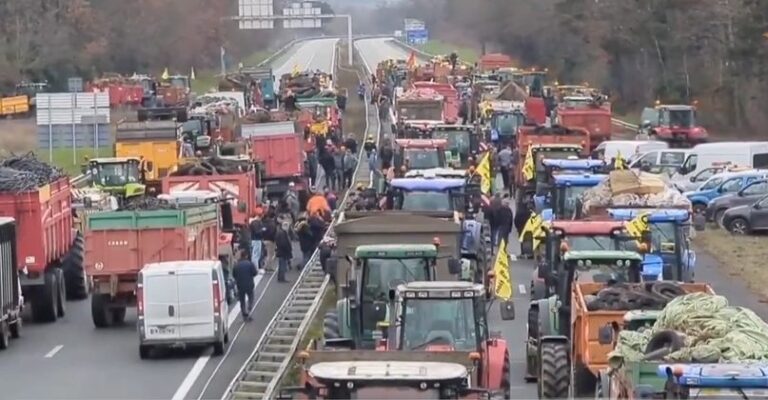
(71, 359)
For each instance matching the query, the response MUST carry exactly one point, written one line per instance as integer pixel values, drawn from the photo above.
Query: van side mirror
(507, 310)
(693, 178)
(454, 266)
(756, 206)
(605, 334)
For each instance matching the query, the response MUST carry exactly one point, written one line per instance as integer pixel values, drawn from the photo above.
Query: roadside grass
(314, 332)
(63, 158)
(739, 256)
(438, 47)
(208, 80)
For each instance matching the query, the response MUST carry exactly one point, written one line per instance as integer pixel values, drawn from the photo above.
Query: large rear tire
(100, 312)
(555, 374)
(5, 335)
(45, 300)
(506, 384)
(74, 271)
(61, 302)
(331, 328)
(17, 327)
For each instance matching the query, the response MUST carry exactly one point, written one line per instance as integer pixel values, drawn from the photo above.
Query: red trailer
(280, 147)
(50, 251)
(450, 96)
(119, 243)
(239, 188)
(595, 118)
(494, 61)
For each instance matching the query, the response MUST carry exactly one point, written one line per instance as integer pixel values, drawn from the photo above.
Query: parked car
(749, 195)
(743, 220)
(722, 184)
(686, 183)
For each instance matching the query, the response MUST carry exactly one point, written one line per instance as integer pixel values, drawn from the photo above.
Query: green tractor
(363, 304)
(556, 326)
(119, 176)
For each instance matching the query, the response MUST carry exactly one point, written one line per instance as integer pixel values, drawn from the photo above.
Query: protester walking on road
(349, 162)
(351, 143)
(306, 240)
(369, 145)
(492, 215)
(257, 236)
(505, 219)
(243, 274)
(504, 159)
(338, 166)
(283, 251)
(268, 236)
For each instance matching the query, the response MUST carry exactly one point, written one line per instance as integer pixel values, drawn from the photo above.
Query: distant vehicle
(746, 196)
(743, 220)
(685, 184)
(656, 158)
(181, 303)
(722, 184)
(676, 124)
(703, 156)
(627, 148)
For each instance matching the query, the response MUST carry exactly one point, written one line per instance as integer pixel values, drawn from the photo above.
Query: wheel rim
(739, 227)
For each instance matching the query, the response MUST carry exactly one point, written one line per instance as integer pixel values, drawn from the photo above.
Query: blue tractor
(562, 198)
(669, 255)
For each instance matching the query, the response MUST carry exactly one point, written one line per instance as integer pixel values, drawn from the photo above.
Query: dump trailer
(154, 141)
(49, 250)
(10, 293)
(278, 145)
(238, 189)
(120, 243)
(14, 106)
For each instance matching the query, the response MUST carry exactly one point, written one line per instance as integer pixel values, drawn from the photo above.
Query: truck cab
(420, 153)
(461, 143)
(266, 80)
(669, 256)
(118, 176)
(175, 90)
(673, 123)
(504, 125)
(154, 141)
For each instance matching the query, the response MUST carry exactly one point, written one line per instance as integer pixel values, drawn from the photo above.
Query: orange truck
(14, 106)
(494, 61)
(584, 112)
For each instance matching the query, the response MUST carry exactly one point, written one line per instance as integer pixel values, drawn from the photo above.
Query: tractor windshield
(115, 174)
(458, 140)
(601, 271)
(590, 242)
(178, 82)
(506, 124)
(571, 195)
(439, 322)
(382, 274)
(424, 158)
(680, 118)
(663, 236)
(426, 201)
(425, 110)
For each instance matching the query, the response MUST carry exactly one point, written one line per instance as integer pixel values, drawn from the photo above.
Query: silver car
(749, 195)
(743, 220)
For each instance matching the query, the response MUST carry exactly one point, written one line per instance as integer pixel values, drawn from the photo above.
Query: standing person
(268, 236)
(257, 237)
(329, 166)
(243, 273)
(350, 162)
(338, 165)
(369, 145)
(492, 215)
(504, 159)
(306, 240)
(506, 220)
(386, 154)
(372, 161)
(351, 143)
(361, 91)
(341, 100)
(331, 198)
(284, 250)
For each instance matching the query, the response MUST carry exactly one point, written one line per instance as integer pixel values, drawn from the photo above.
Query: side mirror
(693, 178)
(683, 170)
(332, 266)
(756, 206)
(507, 310)
(605, 334)
(454, 266)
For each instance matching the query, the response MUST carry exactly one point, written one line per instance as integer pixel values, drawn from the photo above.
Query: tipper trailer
(120, 243)
(49, 249)
(10, 291)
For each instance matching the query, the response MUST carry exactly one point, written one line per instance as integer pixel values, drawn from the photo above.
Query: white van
(627, 148)
(182, 303)
(666, 157)
(743, 154)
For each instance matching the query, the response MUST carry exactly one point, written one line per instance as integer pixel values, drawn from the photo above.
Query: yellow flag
(165, 74)
(534, 226)
(528, 166)
(192, 74)
(638, 225)
(295, 71)
(503, 284)
(484, 170)
(620, 163)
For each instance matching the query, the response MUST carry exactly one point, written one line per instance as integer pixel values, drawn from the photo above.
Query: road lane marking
(521, 288)
(199, 365)
(53, 351)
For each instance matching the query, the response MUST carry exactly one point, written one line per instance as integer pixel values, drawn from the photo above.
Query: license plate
(162, 331)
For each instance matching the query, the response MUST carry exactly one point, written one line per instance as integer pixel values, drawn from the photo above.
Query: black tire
(100, 313)
(506, 384)
(45, 299)
(667, 290)
(533, 322)
(331, 328)
(61, 303)
(144, 351)
(739, 226)
(74, 271)
(17, 327)
(118, 315)
(665, 338)
(5, 335)
(554, 371)
(219, 347)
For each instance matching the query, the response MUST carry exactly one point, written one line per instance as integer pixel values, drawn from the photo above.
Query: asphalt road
(70, 359)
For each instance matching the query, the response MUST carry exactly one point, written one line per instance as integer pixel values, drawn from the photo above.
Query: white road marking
(521, 288)
(197, 368)
(53, 351)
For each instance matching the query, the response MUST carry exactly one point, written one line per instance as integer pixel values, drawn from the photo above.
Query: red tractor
(675, 124)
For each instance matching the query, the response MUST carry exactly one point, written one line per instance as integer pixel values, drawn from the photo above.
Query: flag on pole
(503, 284)
(165, 74)
(528, 167)
(411, 60)
(295, 71)
(620, 163)
(192, 74)
(484, 170)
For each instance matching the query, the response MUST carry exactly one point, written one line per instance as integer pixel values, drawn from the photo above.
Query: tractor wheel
(555, 374)
(506, 385)
(331, 328)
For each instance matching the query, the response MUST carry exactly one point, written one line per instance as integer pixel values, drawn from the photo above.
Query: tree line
(712, 52)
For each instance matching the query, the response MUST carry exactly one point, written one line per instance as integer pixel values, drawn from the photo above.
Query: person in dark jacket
(243, 273)
(268, 236)
(369, 145)
(326, 251)
(505, 219)
(283, 251)
(329, 168)
(244, 240)
(385, 154)
(341, 100)
(318, 227)
(351, 144)
(492, 215)
(522, 218)
(306, 241)
(289, 102)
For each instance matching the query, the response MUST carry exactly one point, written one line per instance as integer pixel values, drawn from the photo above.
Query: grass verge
(70, 160)
(438, 47)
(739, 256)
(314, 332)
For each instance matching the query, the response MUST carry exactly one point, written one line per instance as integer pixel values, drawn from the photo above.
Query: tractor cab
(198, 131)
(119, 176)
(420, 153)
(504, 124)
(322, 109)
(430, 194)
(385, 379)
(374, 271)
(669, 256)
(676, 124)
(461, 143)
(559, 199)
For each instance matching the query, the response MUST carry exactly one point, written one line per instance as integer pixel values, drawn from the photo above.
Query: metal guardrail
(261, 375)
(80, 181)
(624, 124)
